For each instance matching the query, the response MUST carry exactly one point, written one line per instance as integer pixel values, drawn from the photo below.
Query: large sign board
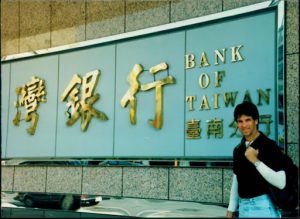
(167, 92)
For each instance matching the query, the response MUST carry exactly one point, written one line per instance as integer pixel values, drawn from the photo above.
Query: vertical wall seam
(184, 93)
(46, 179)
(81, 190)
(8, 111)
(13, 179)
(125, 14)
(57, 102)
(222, 185)
(122, 182)
(50, 23)
(19, 26)
(170, 12)
(222, 5)
(85, 19)
(115, 91)
(168, 183)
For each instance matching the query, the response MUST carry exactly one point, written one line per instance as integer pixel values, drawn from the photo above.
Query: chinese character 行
(135, 87)
(266, 120)
(236, 131)
(129, 97)
(263, 120)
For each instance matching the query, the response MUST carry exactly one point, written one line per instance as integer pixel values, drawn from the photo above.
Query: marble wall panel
(182, 10)
(9, 27)
(34, 25)
(102, 181)
(30, 179)
(104, 18)
(292, 98)
(64, 179)
(227, 181)
(196, 184)
(67, 22)
(292, 27)
(231, 4)
(145, 182)
(143, 14)
(293, 152)
(7, 178)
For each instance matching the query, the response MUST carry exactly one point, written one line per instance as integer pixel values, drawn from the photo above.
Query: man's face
(247, 125)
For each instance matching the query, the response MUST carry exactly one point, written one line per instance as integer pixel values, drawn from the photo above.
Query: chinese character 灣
(31, 95)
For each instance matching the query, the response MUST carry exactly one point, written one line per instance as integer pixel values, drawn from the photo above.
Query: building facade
(30, 26)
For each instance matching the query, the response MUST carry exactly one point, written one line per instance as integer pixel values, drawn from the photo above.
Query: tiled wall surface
(33, 25)
(210, 185)
(104, 180)
(43, 24)
(196, 184)
(292, 102)
(29, 179)
(292, 78)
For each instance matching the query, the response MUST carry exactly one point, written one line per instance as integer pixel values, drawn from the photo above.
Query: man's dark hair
(246, 108)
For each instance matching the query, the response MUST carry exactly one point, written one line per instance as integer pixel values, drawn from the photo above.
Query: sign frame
(280, 57)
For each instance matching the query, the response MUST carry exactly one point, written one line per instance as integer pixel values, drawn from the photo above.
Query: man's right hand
(229, 214)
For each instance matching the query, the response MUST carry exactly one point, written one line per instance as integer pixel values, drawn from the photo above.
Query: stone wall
(207, 184)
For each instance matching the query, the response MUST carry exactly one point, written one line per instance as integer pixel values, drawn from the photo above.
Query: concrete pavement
(155, 208)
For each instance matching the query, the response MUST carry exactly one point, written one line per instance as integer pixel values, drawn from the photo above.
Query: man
(256, 162)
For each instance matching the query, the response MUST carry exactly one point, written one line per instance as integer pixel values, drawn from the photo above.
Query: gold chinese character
(266, 120)
(193, 129)
(236, 131)
(83, 108)
(215, 128)
(135, 86)
(157, 122)
(129, 97)
(31, 95)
